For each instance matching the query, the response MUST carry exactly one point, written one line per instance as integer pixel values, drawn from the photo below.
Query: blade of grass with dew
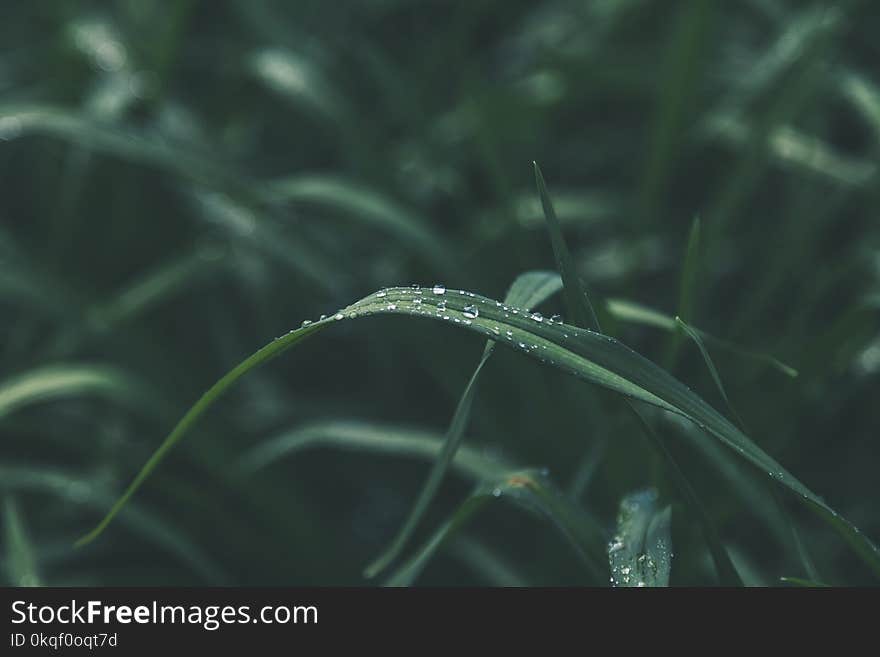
(528, 290)
(67, 380)
(640, 554)
(578, 304)
(370, 437)
(21, 560)
(529, 489)
(636, 313)
(589, 356)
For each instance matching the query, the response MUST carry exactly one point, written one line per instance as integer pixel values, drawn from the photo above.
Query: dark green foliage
(184, 181)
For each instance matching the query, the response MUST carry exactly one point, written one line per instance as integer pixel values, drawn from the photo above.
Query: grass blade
(22, 563)
(370, 437)
(528, 289)
(575, 292)
(528, 489)
(640, 555)
(68, 380)
(589, 356)
(636, 313)
(693, 335)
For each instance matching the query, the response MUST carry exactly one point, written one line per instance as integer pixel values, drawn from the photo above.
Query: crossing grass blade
(527, 291)
(584, 354)
(635, 313)
(530, 490)
(710, 365)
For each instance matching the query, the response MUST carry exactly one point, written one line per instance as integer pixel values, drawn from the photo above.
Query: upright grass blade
(486, 563)
(686, 288)
(527, 290)
(640, 554)
(589, 356)
(22, 563)
(529, 489)
(577, 294)
(574, 291)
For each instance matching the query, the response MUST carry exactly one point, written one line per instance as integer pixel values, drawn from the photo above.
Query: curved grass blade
(589, 356)
(527, 290)
(59, 381)
(21, 561)
(636, 313)
(80, 491)
(528, 489)
(370, 437)
(372, 208)
(640, 554)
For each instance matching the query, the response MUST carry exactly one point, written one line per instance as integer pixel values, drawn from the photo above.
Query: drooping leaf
(587, 355)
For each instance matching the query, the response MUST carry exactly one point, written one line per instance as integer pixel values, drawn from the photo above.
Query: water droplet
(616, 546)
(441, 305)
(381, 294)
(439, 289)
(496, 492)
(471, 312)
(322, 317)
(538, 317)
(305, 323)
(417, 302)
(392, 306)
(337, 316)
(415, 286)
(556, 318)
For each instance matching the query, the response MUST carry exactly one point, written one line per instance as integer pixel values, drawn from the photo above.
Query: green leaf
(640, 554)
(528, 289)
(693, 335)
(22, 563)
(802, 583)
(636, 313)
(370, 437)
(576, 298)
(589, 356)
(66, 380)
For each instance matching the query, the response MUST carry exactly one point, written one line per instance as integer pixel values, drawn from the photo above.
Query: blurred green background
(182, 181)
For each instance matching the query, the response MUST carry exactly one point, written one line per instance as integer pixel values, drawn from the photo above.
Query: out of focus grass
(183, 181)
